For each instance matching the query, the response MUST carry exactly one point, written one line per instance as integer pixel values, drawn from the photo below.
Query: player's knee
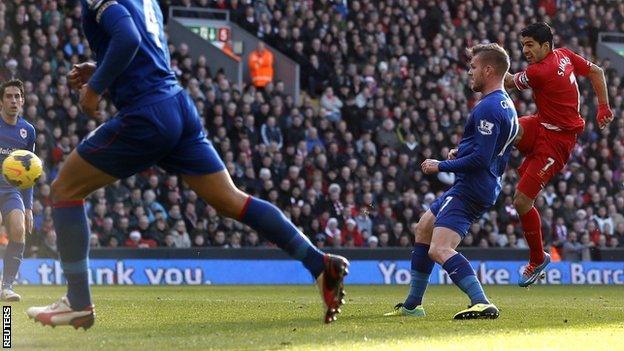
(61, 191)
(522, 203)
(423, 233)
(17, 231)
(438, 252)
(230, 202)
(56, 190)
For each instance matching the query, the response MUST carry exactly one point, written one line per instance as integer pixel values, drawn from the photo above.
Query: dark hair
(12, 83)
(492, 54)
(540, 32)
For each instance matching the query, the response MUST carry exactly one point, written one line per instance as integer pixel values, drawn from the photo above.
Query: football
(22, 169)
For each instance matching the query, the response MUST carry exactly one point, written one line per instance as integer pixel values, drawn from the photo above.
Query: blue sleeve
(116, 21)
(487, 129)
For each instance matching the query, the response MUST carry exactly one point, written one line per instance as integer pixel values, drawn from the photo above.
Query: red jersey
(555, 89)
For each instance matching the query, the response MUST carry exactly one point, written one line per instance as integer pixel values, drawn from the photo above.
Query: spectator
(261, 66)
(386, 135)
(363, 222)
(331, 105)
(332, 233)
(199, 241)
(372, 242)
(74, 47)
(587, 248)
(571, 248)
(49, 248)
(219, 239)
(319, 240)
(252, 240)
(271, 134)
(351, 233)
(181, 238)
(135, 240)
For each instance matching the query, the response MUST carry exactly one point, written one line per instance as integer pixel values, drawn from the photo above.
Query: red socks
(532, 225)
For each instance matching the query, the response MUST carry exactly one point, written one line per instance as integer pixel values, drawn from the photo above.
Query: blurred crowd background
(384, 86)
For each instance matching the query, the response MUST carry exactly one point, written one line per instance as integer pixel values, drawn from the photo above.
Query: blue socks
(72, 230)
(422, 266)
(464, 277)
(271, 223)
(13, 256)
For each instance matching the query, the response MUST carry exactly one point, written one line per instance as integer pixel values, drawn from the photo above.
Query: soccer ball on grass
(22, 169)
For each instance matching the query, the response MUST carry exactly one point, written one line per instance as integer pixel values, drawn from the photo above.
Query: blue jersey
(484, 149)
(147, 76)
(20, 136)
(157, 122)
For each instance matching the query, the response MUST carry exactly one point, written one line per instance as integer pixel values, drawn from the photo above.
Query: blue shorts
(167, 133)
(10, 199)
(455, 212)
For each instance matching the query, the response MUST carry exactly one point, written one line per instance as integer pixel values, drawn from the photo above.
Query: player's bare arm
(604, 115)
(509, 82)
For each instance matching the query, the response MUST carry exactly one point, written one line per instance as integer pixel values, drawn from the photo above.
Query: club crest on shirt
(23, 133)
(485, 127)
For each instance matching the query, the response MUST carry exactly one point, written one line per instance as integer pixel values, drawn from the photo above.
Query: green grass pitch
(290, 318)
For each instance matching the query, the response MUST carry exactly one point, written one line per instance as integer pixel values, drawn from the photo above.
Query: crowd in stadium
(385, 87)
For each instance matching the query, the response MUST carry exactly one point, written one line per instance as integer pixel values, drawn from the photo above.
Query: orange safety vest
(261, 68)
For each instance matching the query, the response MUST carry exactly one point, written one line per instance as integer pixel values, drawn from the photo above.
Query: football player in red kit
(547, 138)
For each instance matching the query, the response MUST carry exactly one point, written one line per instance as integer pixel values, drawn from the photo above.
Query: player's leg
(535, 171)
(527, 190)
(218, 190)
(77, 179)
(421, 267)
(14, 253)
(119, 148)
(452, 222)
(443, 244)
(422, 264)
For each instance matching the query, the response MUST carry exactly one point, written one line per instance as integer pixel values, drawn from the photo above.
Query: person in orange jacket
(261, 66)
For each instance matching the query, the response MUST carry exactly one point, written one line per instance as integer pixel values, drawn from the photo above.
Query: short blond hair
(492, 54)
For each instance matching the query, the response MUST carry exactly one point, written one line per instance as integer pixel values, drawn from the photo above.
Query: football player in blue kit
(157, 124)
(479, 163)
(15, 205)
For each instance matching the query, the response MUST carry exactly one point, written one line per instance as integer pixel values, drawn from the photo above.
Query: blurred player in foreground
(15, 205)
(479, 163)
(548, 137)
(157, 124)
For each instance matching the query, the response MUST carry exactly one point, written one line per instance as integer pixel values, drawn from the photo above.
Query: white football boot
(8, 294)
(61, 313)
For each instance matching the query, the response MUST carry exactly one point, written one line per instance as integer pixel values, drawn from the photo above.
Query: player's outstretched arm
(510, 85)
(604, 115)
(485, 137)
